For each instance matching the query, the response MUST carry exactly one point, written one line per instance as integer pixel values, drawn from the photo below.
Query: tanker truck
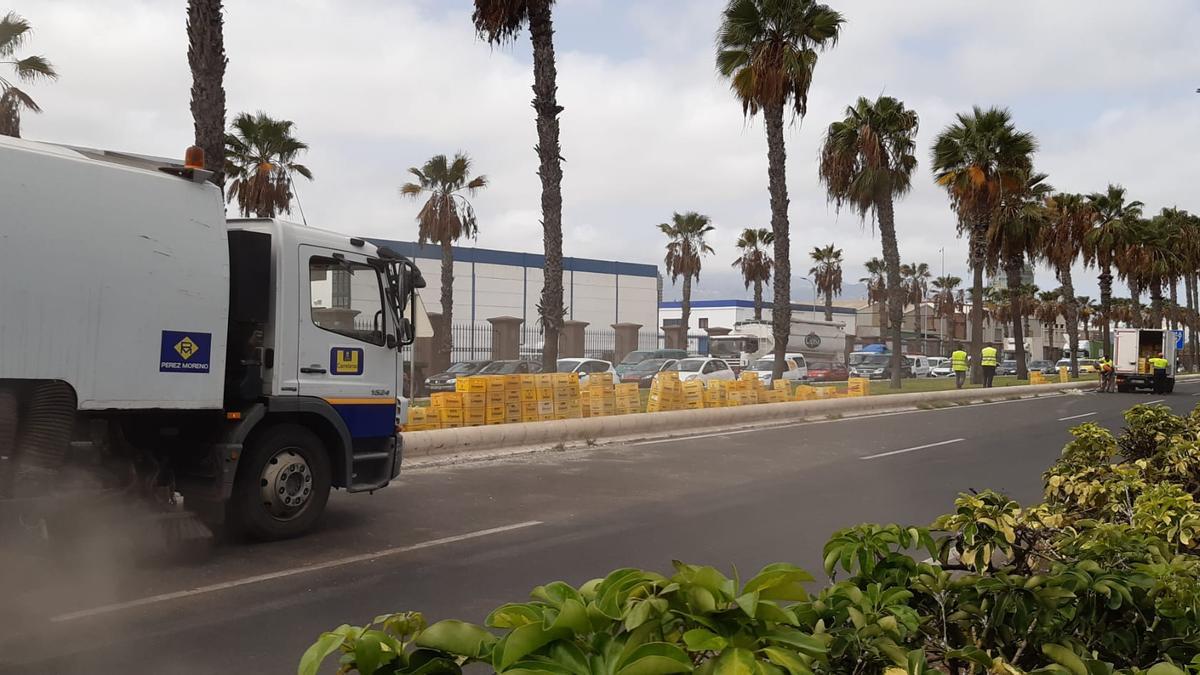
(151, 350)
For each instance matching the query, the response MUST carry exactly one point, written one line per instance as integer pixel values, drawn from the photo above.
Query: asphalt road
(457, 541)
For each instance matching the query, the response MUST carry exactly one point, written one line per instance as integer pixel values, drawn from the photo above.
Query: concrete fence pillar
(506, 337)
(676, 338)
(570, 340)
(625, 340)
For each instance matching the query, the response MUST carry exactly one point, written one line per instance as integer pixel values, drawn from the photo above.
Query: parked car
(919, 365)
(1007, 367)
(940, 367)
(879, 367)
(703, 368)
(448, 380)
(635, 357)
(827, 371)
(643, 372)
(1085, 365)
(512, 367)
(1040, 365)
(585, 367)
(797, 368)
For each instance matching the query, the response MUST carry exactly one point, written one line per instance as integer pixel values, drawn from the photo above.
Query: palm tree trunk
(781, 311)
(1068, 288)
(1195, 301)
(1135, 297)
(545, 102)
(444, 341)
(828, 306)
(1174, 286)
(891, 259)
(206, 56)
(978, 245)
(1106, 279)
(10, 115)
(757, 300)
(685, 313)
(1013, 268)
(1156, 303)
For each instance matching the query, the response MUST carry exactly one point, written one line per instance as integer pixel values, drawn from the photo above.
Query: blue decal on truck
(185, 352)
(346, 361)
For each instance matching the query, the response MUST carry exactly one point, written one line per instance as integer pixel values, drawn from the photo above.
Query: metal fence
(473, 342)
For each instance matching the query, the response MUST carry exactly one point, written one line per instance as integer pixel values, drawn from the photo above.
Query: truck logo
(185, 352)
(812, 340)
(346, 361)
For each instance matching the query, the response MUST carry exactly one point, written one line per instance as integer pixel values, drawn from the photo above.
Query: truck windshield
(732, 346)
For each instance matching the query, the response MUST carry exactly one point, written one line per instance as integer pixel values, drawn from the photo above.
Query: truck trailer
(751, 340)
(1132, 350)
(151, 349)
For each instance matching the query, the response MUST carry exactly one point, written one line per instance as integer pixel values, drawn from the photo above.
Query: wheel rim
(287, 484)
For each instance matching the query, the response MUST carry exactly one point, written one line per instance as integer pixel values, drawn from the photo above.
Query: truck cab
(240, 368)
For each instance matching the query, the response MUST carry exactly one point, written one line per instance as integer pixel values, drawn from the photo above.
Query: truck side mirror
(406, 332)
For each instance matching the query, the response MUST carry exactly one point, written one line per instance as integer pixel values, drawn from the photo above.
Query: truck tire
(1171, 386)
(282, 484)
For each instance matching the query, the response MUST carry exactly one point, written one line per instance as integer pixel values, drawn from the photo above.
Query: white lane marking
(1161, 400)
(304, 569)
(718, 433)
(919, 447)
(1075, 417)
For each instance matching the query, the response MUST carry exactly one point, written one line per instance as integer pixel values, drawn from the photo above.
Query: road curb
(558, 433)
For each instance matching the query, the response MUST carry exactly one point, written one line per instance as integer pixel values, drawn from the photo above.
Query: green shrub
(1101, 578)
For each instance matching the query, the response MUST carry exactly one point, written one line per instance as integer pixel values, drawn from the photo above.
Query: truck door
(1170, 342)
(347, 353)
(1125, 350)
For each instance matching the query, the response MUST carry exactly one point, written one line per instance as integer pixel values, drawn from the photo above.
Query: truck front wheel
(282, 484)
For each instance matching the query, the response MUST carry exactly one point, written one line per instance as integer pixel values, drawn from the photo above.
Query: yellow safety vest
(1159, 364)
(958, 361)
(987, 356)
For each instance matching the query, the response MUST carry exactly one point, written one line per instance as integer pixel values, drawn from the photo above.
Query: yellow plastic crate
(858, 386)
(473, 400)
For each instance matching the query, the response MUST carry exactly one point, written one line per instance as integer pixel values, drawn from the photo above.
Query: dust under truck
(149, 347)
(1132, 350)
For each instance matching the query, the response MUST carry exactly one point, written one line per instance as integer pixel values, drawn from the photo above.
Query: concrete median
(544, 435)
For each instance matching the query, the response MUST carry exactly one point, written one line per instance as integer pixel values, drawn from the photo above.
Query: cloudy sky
(375, 86)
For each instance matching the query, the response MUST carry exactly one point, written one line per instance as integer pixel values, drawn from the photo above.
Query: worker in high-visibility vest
(958, 363)
(1159, 365)
(988, 360)
(1107, 374)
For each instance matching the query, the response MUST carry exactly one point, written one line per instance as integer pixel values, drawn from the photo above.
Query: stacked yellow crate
(496, 409)
(566, 396)
(716, 394)
(666, 393)
(474, 408)
(585, 401)
(858, 386)
(602, 395)
(693, 395)
(529, 398)
(805, 393)
(449, 408)
(628, 398)
(545, 396)
(422, 419)
(512, 399)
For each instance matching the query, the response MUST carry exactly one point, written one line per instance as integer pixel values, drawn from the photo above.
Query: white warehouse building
(490, 283)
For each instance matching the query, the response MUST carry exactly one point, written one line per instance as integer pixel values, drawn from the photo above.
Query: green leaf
(1164, 668)
(514, 615)
(430, 662)
(521, 642)
(641, 612)
(457, 637)
(320, 650)
(1065, 658)
(569, 656)
(655, 658)
(810, 645)
(701, 600)
(556, 593)
(787, 660)
(572, 617)
(748, 603)
(371, 652)
(735, 661)
(780, 581)
(537, 668)
(701, 640)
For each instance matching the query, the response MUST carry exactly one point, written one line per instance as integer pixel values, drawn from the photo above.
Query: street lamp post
(814, 302)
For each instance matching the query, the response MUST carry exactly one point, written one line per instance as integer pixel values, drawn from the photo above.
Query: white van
(920, 365)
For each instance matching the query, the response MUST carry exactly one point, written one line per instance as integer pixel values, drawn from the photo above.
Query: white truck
(751, 340)
(1132, 350)
(150, 347)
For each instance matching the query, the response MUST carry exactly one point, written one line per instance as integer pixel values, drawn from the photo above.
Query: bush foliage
(1102, 577)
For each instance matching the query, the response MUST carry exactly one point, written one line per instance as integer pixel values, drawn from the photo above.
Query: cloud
(648, 128)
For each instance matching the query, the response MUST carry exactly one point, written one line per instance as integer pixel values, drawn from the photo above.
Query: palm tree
(977, 160)
(685, 247)
(206, 57)
(867, 160)
(1070, 218)
(260, 158)
(1112, 222)
(916, 287)
(827, 274)
(768, 51)
(14, 30)
(498, 22)
(1088, 310)
(446, 217)
(877, 289)
(1048, 306)
(1013, 237)
(755, 262)
(946, 302)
